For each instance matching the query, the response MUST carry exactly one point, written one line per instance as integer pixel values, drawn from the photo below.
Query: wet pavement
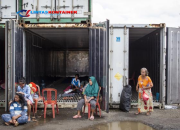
(115, 119)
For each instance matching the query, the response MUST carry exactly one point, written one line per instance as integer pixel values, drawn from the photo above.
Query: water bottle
(157, 96)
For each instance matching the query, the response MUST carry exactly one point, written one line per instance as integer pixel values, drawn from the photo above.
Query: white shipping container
(131, 48)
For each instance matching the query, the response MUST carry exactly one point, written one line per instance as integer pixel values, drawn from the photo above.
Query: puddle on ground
(120, 126)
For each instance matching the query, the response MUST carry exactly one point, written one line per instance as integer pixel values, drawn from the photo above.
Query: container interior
(144, 51)
(2, 65)
(56, 55)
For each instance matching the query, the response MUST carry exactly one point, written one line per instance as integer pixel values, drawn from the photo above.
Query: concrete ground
(159, 120)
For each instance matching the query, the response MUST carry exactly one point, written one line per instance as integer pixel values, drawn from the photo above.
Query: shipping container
(55, 54)
(133, 47)
(83, 8)
(38, 11)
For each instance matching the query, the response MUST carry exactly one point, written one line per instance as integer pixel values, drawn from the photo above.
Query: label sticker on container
(118, 76)
(118, 39)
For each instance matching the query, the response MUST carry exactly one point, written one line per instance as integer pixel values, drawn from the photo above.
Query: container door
(39, 5)
(7, 9)
(99, 59)
(173, 66)
(119, 59)
(13, 58)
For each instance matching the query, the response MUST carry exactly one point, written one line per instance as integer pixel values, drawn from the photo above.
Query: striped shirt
(16, 109)
(75, 82)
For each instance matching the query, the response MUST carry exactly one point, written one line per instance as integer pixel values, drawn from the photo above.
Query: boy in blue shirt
(75, 84)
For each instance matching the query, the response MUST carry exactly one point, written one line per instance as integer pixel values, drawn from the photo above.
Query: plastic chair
(40, 98)
(133, 78)
(49, 100)
(97, 106)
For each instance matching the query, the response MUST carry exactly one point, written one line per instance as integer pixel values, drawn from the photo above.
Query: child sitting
(18, 111)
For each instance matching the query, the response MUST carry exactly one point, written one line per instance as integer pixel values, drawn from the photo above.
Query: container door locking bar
(59, 7)
(72, 15)
(37, 7)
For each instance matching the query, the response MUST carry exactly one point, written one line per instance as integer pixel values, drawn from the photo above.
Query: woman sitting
(18, 111)
(90, 94)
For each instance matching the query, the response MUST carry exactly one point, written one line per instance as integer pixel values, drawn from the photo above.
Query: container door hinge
(111, 51)
(111, 30)
(124, 69)
(111, 86)
(111, 68)
(125, 30)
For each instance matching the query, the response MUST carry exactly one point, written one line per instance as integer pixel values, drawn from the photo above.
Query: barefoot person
(75, 84)
(18, 111)
(145, 84)
(24, 89)
(90, 94)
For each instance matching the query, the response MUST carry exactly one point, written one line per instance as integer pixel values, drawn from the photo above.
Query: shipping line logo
(26, 13)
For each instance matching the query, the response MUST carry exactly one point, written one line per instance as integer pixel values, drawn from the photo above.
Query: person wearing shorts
(24, 89)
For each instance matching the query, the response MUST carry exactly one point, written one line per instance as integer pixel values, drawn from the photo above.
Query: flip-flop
(76, 116)
(91, 118)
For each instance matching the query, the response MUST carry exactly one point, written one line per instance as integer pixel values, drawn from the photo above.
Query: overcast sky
(137, 11)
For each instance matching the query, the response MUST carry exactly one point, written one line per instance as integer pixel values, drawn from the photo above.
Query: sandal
(76, 116)
(91, 118)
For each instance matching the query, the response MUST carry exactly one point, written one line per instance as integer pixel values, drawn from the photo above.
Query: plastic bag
(145, 96)
(125, 101)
